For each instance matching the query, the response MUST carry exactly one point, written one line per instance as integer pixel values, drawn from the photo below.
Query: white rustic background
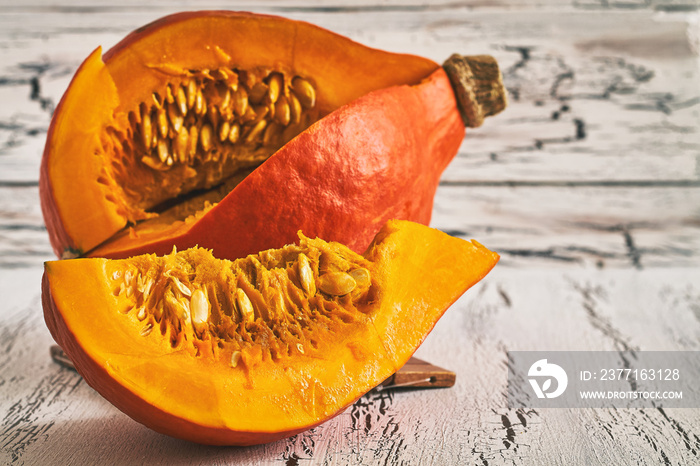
(588, 185)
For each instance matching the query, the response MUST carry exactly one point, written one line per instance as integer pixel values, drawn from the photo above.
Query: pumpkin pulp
(260, 348)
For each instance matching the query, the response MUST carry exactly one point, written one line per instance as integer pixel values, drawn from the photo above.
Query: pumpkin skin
(387, 126)
(190, 391)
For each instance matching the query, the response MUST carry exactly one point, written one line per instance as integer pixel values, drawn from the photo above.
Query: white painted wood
(588, 185)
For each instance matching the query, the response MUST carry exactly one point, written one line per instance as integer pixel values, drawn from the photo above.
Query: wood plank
(594, 226)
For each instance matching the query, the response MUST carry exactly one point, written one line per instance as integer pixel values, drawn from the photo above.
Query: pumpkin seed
(272, 131)
(304, 91)
(147, 330)
(200, 307)
(224, 130)
(199, 104)
(274, 87)
(261, 112)
(163, 150)
(162, 122)
(282, 111)
(235, 358)
(278, 302)
(150, 163)
(156, 100)
(213, 115)
(225, 105)
(181, 287)
(176, 307)
(192, 143)
(191, 93)
(255, 131)
(240, 102)
(245, 306)
(181, 99)
(205, 137)
(169, 94)
(306, 276)
(294, 109)
(148, 284)
(361, 277)
(175, 118)
(139, 283)
(257, 93)
(234, 133)
(336, 283)
(181, 144)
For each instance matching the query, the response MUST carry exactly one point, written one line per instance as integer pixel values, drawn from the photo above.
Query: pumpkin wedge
(231, 131)
(250, 351)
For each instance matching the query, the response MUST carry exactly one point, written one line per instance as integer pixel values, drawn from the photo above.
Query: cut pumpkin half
(252, 350)
(231, 131)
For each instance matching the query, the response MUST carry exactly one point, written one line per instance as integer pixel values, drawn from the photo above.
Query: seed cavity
(201, 128)
(274, 301)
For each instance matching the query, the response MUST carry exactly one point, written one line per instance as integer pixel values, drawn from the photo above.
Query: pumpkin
(250, 351)
(233, 130)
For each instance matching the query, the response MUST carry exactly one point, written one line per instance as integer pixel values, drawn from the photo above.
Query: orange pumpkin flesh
(304, 353)
(109, 163)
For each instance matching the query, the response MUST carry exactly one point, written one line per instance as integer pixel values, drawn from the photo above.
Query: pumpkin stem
(478, 87)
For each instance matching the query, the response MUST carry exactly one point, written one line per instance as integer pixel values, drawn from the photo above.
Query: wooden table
(588, 186)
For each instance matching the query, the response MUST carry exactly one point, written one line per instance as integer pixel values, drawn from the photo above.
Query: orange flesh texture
(374, 159)
(73, 203)
(102, 94)
(416, 273)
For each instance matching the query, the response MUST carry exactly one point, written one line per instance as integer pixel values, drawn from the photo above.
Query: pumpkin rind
(416, 274)
(72, 202)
